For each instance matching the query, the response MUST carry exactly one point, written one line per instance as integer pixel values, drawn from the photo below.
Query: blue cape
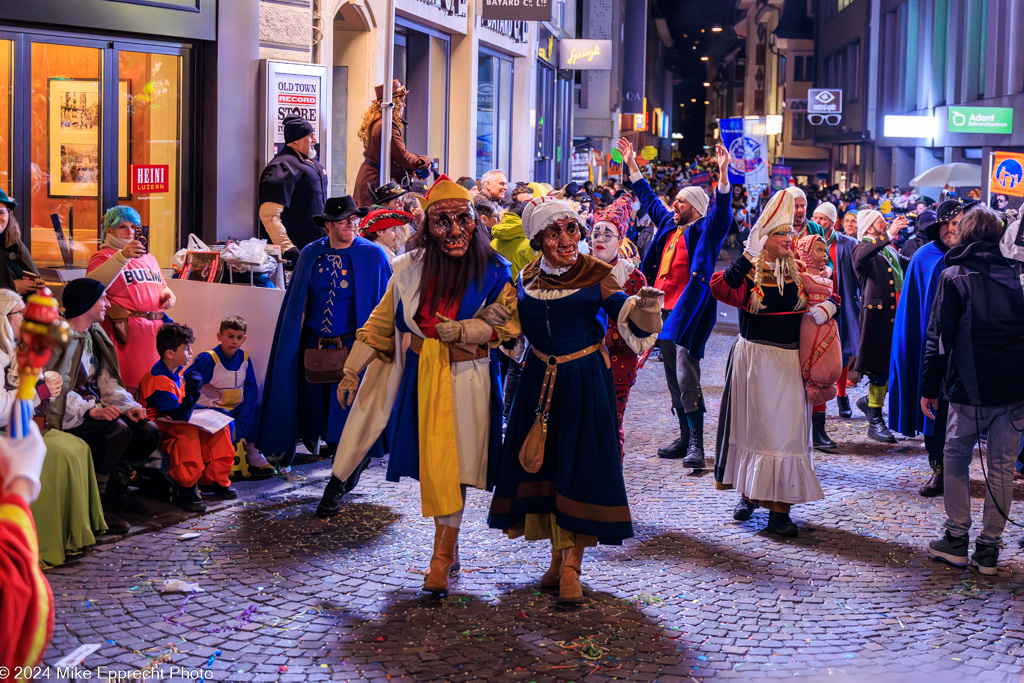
(404, 459)
(849, 292)
(691, 321)
(920, 283)
(278, 423)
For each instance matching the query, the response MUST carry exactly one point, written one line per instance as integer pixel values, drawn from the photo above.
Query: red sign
(296, 99)
(150, 178)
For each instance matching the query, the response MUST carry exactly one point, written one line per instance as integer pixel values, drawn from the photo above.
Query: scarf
(114, 243)
(890, 255)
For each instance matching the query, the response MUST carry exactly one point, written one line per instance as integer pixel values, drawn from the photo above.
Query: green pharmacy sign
(998, 120)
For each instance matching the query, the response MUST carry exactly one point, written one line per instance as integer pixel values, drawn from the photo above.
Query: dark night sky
(685, 20)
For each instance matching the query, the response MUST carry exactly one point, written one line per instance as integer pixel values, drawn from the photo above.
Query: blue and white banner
(747, 142)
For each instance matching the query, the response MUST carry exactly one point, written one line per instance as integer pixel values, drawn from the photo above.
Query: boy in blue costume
(229, 386)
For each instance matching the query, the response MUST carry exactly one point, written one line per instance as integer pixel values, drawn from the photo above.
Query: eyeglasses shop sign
(585, 55)
(517, 10)
(998, 120)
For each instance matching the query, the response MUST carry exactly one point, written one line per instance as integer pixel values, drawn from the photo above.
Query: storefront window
(149, 96)
(66, 153)
(494, 113)
(95, 144)
(6, 64)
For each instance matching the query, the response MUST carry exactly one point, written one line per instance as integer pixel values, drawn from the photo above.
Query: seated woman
(20, 273)
(68, 513)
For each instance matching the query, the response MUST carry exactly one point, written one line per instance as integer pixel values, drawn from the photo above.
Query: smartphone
(142, 235)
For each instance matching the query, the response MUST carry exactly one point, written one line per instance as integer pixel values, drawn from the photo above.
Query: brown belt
(120, 313)
(547, 389)
(456, 354)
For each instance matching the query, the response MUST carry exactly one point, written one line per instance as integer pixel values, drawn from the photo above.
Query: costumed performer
(844, 278)
(880, 274)
(680, 261)
(821, 359)
(910, 334)
(336, 284)
(763, 449)
(428, 352)
(370, 131)
(26, 601)
(610, 246)
(558, 475)
(137, 292)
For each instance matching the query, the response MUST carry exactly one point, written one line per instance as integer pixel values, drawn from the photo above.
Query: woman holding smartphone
(137, 292)
(20, 273)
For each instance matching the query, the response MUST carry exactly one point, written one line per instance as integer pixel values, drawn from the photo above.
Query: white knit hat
(865, 219)
(777, 214)
(827, 209)
(540, 212)
(696, 197)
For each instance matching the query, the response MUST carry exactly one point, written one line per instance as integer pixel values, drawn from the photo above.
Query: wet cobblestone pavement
(695, 595)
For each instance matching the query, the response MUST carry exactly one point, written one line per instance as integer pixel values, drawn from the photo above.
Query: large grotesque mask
(452, 225)
(560, 242)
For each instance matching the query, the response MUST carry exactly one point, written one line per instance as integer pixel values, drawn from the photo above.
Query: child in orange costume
(196, 456)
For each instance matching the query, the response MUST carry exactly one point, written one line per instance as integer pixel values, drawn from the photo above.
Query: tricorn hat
(397, 90)
(338, 209)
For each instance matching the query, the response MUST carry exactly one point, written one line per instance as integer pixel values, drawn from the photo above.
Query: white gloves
(358, 358)
(23, 459)
(754, 244)
(822, 312)
(472, 331)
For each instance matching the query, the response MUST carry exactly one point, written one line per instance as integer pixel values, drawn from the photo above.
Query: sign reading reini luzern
(517, 10)
(586, 54)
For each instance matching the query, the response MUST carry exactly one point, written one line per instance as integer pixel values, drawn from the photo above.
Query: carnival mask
(560, 244)
(452, 224)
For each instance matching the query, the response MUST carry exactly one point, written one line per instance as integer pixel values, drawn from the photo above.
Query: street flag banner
(781, 175)
(1007, 174)
(747, 142)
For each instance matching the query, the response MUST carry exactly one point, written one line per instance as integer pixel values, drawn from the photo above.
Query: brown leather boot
(551, 576)
(445, 538)
(569, 587)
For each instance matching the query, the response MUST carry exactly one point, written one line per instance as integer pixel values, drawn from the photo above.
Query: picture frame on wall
(74, 134)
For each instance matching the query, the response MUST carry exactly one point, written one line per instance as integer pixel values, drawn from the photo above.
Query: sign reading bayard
(517, 10)
(824, 101)
(582, 55)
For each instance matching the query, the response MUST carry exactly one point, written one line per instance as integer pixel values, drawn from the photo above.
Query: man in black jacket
(976, 346)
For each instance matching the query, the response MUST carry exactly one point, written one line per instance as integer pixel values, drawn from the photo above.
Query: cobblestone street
(695, 595)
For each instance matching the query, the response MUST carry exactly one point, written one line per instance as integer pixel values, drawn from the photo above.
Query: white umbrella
(955, 174)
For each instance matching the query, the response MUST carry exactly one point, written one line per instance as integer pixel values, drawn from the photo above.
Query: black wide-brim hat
(338, 209)
(945, 212)
(388, 192)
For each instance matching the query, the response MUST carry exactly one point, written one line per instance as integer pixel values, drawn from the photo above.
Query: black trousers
(117, 444)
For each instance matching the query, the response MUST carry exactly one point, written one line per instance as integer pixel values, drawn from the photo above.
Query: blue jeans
(1004, 425)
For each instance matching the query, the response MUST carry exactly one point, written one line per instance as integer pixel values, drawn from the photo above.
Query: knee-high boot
(553, 574)
(445, 539)
(569, 587)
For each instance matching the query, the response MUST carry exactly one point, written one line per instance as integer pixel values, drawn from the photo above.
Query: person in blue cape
(910, 333)
(680, 262)
(336, 284)
(429, 355)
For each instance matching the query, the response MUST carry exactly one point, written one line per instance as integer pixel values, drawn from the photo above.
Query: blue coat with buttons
(690, 323)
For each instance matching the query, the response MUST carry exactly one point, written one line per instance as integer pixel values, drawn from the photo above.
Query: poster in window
(75, 123)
